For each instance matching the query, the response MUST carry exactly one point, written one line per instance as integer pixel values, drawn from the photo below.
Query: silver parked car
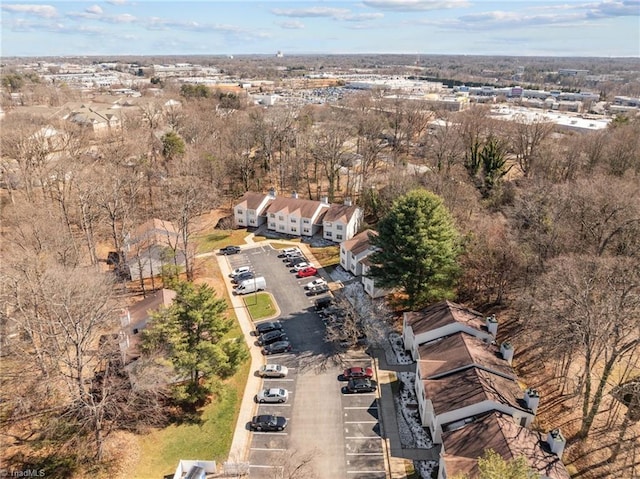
(273, 371)
(273, 395)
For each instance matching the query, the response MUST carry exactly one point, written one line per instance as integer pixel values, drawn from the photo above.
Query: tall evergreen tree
(190, 332)
(418, 247)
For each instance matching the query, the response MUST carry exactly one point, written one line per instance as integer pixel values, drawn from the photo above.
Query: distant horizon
(295, 55)
(524, 28)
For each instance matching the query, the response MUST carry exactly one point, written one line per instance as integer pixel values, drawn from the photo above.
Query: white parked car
(287, 251)
(314, 283)
(273, 371)
(302, 265)
(273, 395)
(240, 270)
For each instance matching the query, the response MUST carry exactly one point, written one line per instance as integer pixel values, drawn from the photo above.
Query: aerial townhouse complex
(298, 217)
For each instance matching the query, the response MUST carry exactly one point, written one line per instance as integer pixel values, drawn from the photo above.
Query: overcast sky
(609, 28)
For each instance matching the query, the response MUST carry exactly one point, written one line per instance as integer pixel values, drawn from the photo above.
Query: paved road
(339, 434)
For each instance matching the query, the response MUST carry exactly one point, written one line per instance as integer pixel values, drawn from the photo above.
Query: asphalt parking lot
(338, 433)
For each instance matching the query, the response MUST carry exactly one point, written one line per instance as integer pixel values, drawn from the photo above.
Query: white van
(251, 285)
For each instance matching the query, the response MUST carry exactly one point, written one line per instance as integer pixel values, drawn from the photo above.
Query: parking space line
(360, 407)
(361, 422)
(265, 449)
(365, 454)
(363, 437)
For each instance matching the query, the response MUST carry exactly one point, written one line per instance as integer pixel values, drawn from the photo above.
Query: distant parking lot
(324, 424)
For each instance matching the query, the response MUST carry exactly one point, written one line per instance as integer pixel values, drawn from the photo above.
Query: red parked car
(357, 372)
(308, 271)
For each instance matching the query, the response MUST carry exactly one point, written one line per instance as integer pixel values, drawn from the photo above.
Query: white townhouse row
(466, 388)
(298, 217)
(355, 258)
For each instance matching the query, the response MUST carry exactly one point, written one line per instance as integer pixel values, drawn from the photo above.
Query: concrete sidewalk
(239, 451)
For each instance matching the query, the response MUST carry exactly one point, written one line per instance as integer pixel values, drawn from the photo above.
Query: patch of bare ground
(561, 407)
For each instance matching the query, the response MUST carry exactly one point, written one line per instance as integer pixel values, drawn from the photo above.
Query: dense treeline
(550, 226)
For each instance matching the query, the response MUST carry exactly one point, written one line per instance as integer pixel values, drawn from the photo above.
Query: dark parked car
(272, 337)
(295, 261)
(277, 347)
(314, 290)
(243, 276)
(268, 422)
(322, 303)
(361, 385)
(357, 372)
(267, 326)
(230, 250)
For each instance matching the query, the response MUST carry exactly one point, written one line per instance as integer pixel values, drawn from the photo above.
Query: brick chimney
(556, 442)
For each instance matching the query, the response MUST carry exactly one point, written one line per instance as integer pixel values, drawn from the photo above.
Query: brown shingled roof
(499, 432)
(250, 200)
(440, 314)
(359, 242)
(340, 212)
(458, 351)
(471, 386)
(305, 208)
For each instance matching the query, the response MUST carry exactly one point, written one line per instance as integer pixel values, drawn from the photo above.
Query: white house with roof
(462, 376)
(443, 319)
(462, 447)
(355, 257)
(296, 216)
(248, 212)
(341, 222)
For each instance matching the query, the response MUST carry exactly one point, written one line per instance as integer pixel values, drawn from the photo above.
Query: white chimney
(556, 442)
(492, 325)
(532, 399)
(507, 351)
(324, 200)
(272, 193)
(294, 195)
(347, 202)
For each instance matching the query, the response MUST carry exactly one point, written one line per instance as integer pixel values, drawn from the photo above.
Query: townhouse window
(272, 215)
(253, 222)
(281, 228)
(305, 221)
(272, 225)
(281, 218)
(305, 230)
(251, 212)
(240, 220)
(239, 211)
(294, 230)
(339, 237)
(327, 224)
(327, 233)
(339, 227)
(293, 220)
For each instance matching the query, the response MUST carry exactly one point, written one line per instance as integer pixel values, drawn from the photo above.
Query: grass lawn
(210, 440)
(327, 255)
(219, 239)
(260, 306)
(277, 245)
